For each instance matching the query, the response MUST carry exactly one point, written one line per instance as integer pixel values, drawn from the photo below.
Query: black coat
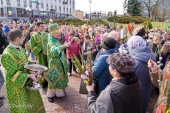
(3, 42)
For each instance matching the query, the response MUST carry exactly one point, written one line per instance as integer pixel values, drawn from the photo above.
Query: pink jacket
(99, 37)
(73, 49)
(66, 37)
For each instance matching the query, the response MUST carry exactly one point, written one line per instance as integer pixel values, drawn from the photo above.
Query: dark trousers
(72, 66)
(1, 79)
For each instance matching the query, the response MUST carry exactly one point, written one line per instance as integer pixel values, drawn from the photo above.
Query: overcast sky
(100, 5)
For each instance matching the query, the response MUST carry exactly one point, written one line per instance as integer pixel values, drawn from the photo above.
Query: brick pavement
(72, 103)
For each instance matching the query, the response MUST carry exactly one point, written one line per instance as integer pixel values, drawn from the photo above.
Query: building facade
(98, 14)
(35, 9)
(79, 14)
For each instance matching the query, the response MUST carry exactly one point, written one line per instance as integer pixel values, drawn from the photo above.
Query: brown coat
(154, 78)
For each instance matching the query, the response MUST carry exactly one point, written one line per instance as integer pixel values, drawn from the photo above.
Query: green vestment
(57, 74)
(38, 45)
(21, 99)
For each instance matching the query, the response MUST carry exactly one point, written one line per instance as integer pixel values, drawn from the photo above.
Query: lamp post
(42, 10)
(90, 1)
(29, 11)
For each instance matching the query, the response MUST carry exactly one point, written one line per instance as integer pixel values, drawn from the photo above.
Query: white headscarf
(136, 42)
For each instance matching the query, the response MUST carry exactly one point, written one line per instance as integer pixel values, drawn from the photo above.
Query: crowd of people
(128, 63)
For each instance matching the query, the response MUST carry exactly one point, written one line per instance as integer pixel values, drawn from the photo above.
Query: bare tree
(151, 6)
(164, 10)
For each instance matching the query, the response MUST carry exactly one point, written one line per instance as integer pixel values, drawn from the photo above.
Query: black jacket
(3, 42)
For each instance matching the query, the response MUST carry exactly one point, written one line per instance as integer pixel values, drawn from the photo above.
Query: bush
(77, 22)
(147, 24)
(127, 19)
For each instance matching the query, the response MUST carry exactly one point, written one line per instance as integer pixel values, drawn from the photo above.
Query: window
(25, 13)
(70, 10)
(59, 0)
(42, 6)
(70, 2)
(73, 2)
(8, 2)
(55, 7)
(25, 3)
(19, 12)
(37, 5)
(64, 9)
(2, 12)
(67, 10)
(9, 11)
(47, 6)
(1, 2)
(51, 6)
(30, 5)
(60, 9)
(18, 2)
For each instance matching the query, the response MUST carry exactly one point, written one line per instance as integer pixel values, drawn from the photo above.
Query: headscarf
(136, 42)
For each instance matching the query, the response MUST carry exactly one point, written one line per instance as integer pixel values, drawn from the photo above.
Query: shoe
(2, 98)
(1, 103)
(45, 85)
(69, 74)
(50, 99)
(75, 71)
(156, 90)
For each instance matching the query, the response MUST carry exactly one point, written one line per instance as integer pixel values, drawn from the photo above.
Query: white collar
(40, 32)
(13, 45)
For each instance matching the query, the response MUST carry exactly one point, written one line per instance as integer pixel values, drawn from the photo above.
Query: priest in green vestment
(38, 45)
(58, 67)
(21, 99)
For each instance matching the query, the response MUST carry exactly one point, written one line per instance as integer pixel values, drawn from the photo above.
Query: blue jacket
(6, 29)
(101, 70)
(141, 57)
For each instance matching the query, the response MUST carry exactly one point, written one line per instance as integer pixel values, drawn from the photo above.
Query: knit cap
(123, 63)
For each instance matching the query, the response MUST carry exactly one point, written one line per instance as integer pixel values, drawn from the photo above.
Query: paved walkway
(72, 103)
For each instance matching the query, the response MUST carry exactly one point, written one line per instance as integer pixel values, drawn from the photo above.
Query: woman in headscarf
(123, 93)
(141, 53)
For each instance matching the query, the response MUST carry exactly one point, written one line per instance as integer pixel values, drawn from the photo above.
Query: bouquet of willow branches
(84, 68)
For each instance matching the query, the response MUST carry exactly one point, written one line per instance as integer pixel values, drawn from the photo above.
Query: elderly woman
(122, 95)
(141, 53)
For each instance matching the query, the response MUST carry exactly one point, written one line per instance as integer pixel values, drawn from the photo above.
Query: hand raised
(152, 66)
(90, 87)
(67, 44)
(33, 77)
